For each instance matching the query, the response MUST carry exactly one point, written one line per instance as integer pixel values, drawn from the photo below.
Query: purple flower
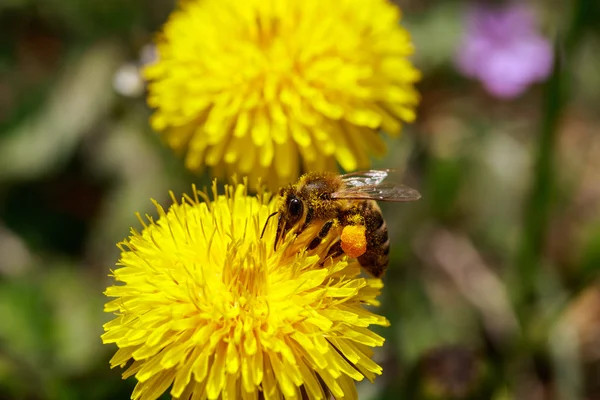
(503, 49)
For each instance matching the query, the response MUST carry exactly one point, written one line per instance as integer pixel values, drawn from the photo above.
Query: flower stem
(538, 208)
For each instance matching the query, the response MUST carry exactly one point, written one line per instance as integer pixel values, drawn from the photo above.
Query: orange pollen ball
(354, 241)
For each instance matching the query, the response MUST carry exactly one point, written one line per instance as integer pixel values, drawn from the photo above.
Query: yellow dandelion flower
(207, 308)
(266, 88)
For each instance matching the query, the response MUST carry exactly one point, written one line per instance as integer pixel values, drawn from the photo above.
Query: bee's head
(291, 210)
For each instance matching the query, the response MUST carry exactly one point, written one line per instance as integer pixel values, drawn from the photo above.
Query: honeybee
(335, 202)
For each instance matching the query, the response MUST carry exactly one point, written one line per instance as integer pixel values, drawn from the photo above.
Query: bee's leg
(321, 235)
(334, 251)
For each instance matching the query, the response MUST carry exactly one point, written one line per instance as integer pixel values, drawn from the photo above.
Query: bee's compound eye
(295, 207)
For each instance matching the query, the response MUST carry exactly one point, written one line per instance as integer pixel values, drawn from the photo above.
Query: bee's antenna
(266, 222)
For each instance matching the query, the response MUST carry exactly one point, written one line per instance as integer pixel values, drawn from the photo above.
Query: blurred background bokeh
(493, 289)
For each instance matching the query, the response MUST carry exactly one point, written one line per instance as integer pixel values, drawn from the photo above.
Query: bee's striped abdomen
(376, 259)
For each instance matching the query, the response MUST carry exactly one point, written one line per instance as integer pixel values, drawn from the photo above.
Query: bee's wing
(377, 184)
(381, 192)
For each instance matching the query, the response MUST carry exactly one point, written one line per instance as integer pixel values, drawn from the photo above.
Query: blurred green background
(492, 291)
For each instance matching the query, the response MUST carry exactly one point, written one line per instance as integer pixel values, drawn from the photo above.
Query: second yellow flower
(270, 87)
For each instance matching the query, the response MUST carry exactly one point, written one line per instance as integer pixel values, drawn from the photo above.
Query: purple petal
(471, 55)
(536, 53)
(502, 48)
(505, 90)
(505, 68)
(500, 22)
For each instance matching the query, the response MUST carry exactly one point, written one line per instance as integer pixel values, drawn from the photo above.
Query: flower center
(245, 273)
